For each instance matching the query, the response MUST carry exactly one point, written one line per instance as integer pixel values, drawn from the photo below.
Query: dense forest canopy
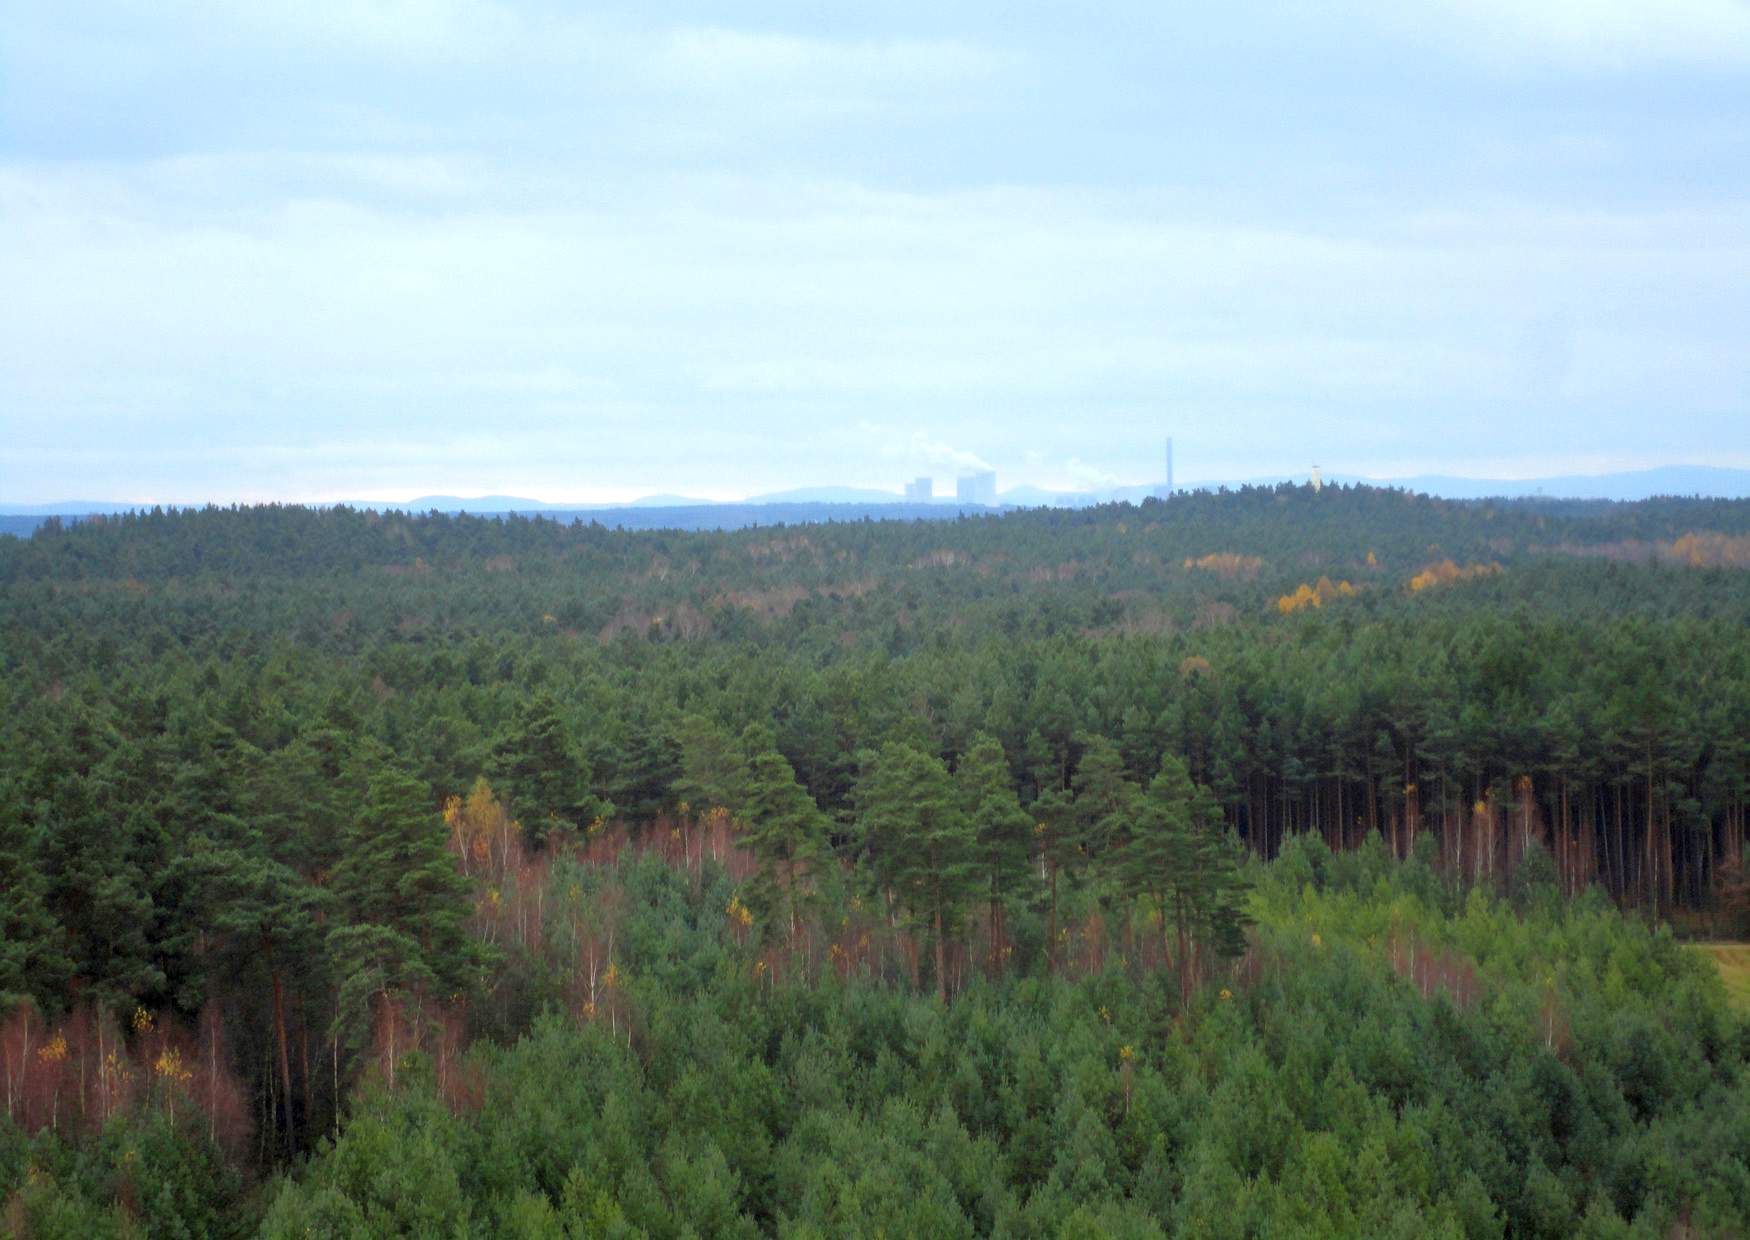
(1232, 864)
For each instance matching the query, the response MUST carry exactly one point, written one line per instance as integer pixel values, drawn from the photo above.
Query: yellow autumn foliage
(1316, 595)
(479, 826)
(170, 1066)
(1445, 572)
(1709, 550)
(1227, 564)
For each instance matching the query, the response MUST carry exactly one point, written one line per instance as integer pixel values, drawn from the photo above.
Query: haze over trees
(1241, 864)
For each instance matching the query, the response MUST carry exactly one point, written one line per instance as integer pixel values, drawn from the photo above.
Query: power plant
(978, 487)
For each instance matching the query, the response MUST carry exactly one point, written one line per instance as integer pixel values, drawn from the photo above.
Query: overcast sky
(312, 250)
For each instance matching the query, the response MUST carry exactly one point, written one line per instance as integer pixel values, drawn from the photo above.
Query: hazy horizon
(466, 247)
(944, 491)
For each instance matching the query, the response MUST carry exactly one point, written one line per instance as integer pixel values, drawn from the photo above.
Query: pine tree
(1105, 798)
(1158, 851)
(396, 873)
(1002, 829)
(541, 773)
(33, 960)
(306, 792)
(374, 965)
(647, 762)
(1178, 855)
(265, 916)
(713, 767)
(920, 842)
(100, 896)
(786, 832)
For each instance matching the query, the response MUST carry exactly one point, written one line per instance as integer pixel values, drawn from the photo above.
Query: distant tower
(919, 490)
(1169, 464)
(1318, 483)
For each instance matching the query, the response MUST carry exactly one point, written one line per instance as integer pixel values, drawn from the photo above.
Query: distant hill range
(1703, 480)
(807, 504)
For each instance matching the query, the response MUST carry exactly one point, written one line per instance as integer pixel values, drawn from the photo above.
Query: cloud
(722, 59)
(393, 28)
(1603, 34)
(714, 255)
(758, 314)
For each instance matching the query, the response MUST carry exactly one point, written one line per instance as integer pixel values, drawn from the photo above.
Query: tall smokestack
(1169, 464)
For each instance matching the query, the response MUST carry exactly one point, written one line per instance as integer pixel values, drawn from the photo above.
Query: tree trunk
(279, 1028)
(1652, 857)
(1185, 979)
(941, 959)
(1623, 890)
(1161, 912)
(304, 1067)
(1051, 941)
(1564, 851)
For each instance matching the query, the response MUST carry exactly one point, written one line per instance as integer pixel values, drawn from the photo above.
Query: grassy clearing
(1733, 960)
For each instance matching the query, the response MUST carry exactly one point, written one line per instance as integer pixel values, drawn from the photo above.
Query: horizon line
(1106, 493)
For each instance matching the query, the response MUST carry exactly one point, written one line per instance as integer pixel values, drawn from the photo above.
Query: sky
(384, 248)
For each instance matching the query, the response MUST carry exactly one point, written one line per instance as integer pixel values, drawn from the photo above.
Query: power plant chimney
(1169, 464)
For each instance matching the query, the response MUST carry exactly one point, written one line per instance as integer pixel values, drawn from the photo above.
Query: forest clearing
(1733, 961)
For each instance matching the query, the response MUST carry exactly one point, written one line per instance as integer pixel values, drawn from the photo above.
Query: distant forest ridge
(815, 504)
(1281, 533)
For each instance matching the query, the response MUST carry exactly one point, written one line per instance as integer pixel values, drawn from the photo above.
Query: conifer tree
(786, 832)
(921, 842)
(644, 767)
(1177, 855)
(33, 960)
(540, 772)
(396, 874)
(713, 767)
(1159, 850)
(1002, 830)
(266, 917)
(1104, 798)
(101, 897)
(1060, 845)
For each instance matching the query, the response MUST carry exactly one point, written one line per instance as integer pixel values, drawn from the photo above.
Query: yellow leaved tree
(482, 833)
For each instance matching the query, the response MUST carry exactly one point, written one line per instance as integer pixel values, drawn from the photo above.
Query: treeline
(1286, 528)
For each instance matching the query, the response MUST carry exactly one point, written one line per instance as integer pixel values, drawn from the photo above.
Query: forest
(1253, 863)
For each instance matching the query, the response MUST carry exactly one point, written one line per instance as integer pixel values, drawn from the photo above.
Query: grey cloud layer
(466, 247)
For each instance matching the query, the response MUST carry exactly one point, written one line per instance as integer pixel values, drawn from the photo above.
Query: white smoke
(938, 452)
(1090, 476)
